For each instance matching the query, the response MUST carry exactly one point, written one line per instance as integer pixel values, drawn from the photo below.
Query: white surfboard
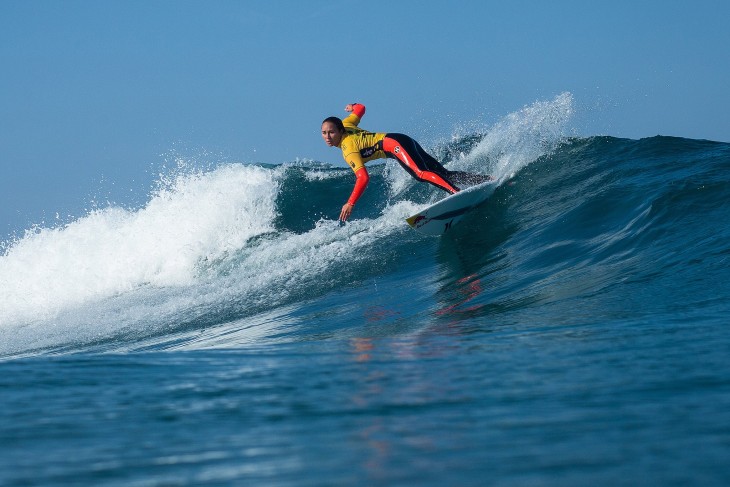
(441, 216)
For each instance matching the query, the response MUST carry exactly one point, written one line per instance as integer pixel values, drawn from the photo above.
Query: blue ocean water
(570, 331)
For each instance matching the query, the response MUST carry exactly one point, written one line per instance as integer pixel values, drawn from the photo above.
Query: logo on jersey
(368, 151)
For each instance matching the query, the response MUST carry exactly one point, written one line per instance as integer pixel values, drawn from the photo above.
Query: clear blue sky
(94, 94)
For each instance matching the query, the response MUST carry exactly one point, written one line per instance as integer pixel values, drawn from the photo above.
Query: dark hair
(337, 121)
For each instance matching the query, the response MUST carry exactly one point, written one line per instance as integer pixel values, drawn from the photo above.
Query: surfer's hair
(335, 120)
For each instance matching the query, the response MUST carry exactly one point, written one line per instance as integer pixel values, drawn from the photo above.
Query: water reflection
(405, 392)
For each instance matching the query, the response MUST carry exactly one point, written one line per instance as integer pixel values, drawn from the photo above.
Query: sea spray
(504, 148)
(520, 138)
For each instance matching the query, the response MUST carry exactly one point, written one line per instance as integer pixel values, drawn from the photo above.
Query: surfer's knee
(438, 181)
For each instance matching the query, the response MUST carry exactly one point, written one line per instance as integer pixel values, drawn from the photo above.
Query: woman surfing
(360, 146)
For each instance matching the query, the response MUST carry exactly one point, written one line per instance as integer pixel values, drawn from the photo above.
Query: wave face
(581, 230)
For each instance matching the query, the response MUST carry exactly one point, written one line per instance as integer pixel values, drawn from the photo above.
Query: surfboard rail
(440, 217)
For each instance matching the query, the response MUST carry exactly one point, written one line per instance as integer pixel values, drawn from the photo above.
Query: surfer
(360, 146)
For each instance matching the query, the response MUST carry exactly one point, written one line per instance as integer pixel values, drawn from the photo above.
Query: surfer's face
(331, 134)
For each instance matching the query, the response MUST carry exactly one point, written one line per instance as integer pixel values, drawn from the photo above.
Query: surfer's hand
(346, 211)
(348, 108)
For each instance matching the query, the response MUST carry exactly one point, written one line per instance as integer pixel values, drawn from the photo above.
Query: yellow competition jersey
(360, 146)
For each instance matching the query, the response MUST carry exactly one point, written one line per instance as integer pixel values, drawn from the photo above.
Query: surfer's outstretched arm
(361, 182)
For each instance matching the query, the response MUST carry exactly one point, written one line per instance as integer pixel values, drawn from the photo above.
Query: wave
(235, 249)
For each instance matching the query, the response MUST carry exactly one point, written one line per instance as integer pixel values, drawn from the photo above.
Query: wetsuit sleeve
(360, 184)
(358, 109)
(353, 119)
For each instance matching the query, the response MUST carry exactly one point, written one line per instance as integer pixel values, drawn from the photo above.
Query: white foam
(111, 251)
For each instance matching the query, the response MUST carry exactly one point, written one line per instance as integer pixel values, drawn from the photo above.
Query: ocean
(570, 331)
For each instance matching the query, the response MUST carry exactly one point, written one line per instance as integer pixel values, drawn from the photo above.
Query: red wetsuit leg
(396, 150)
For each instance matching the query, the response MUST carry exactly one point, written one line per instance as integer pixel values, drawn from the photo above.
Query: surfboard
(440, 217)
